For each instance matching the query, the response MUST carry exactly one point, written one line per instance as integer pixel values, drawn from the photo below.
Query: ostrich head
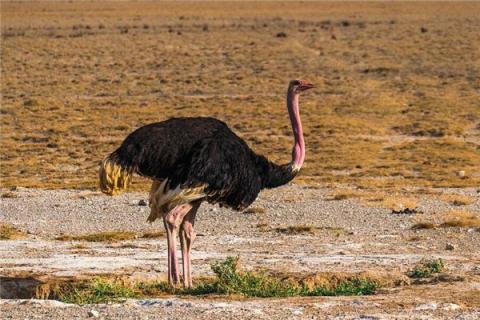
(297, 86)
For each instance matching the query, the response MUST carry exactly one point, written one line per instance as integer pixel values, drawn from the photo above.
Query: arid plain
(394, 124)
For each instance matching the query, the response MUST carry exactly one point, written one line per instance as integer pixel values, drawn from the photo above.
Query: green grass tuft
(355, 287)
(426, 268)
(230, 281)
(97, 290)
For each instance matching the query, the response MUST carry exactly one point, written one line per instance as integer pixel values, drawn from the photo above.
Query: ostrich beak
(306, 85)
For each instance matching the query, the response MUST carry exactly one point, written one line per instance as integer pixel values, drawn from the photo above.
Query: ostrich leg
(187, 235)
(172, 221)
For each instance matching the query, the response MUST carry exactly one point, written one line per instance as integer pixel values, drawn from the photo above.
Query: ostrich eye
(296, 82)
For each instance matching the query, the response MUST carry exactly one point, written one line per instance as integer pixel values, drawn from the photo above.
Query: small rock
(449, 246)
(296, 311)
(93, 313)
(423, 29)
(281, 35)
(142, 202)
(450, 306)
(461, 173)
(427, 306)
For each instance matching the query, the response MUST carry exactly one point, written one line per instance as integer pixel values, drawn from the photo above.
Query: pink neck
(298, 152)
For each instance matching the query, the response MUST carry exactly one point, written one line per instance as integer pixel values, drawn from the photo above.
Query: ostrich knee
(190, 233)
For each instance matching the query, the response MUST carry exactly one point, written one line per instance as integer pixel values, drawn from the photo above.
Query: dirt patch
(349, 240)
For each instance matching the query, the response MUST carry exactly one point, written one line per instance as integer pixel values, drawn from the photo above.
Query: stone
(427, 306)
(450, 306)
(449, 246)
(93, 313)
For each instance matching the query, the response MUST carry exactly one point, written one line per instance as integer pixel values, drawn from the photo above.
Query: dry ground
(397, 101)
(325, 239)
(395, 115)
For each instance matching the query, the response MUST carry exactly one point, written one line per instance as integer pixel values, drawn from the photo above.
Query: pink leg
(172, 222)
(187, 235)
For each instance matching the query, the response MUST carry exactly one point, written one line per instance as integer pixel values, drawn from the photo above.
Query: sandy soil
(348, 237)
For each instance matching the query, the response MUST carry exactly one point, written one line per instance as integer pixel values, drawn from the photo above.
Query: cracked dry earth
(348, 237)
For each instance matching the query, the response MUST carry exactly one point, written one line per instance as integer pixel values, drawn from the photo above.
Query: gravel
(347, 236)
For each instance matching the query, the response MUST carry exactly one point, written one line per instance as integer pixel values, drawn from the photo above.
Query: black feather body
(193, 152)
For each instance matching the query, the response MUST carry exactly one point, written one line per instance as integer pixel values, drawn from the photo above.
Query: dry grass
(255, 210)
(394, 106)
(396, 203)
(453, 218)
(9, 232)
(394, 200)
(456, 199)
(111, 236)
(345, 195)
(337, 231)
(100, 236)
(297, 229)
(153, 235)
(9, 195)
(423, 225)
(464, 219)
(263, 227)
(80, 246)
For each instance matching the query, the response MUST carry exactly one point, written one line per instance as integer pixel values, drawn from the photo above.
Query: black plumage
(193, 152)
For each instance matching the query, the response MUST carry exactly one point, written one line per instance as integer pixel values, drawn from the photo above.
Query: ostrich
(192, 160)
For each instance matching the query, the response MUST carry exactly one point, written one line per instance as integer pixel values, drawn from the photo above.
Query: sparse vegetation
(254, 210)
(9, 232)
(297, 229)
(398, 203)
(404, 132)
(10, 195)
(460, 218)
(98, 290)
(426, 268)
(110, 236)
(153, 235)
(100, 236)
(79, 246)
(453, 218)
(423, 225)
(229, 281)
(345, 194)
(463, 222)
(263, 227)
(456, 199)
(337, 231)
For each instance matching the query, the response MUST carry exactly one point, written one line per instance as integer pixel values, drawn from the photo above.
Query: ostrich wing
(225, 166)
